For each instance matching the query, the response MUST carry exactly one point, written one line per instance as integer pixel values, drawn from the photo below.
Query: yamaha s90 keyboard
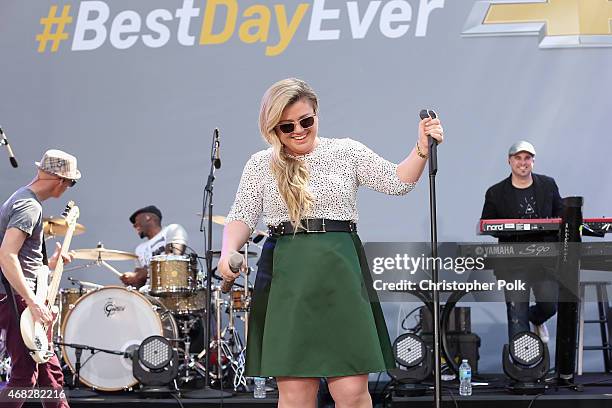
(593, 255)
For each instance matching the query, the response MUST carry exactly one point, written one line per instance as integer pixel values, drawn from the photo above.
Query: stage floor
(596, 392)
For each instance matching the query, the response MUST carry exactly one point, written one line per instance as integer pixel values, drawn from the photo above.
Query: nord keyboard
(519, 226)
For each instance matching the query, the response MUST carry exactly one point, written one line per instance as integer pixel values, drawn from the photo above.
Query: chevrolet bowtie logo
(559, 23)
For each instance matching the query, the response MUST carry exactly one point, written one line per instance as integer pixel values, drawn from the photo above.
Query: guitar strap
(10, 295)
(9, 290)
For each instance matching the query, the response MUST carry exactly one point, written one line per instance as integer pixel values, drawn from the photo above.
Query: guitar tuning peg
(68, 208)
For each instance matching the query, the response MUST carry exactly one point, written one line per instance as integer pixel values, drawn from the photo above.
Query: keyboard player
(524, 194)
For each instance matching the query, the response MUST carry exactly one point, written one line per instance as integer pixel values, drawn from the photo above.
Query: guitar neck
(59, 268)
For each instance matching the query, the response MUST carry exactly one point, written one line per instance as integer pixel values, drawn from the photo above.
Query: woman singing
(314, 313)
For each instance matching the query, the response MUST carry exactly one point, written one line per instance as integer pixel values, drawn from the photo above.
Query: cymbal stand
(237, 358)
(185, 327)
(220, 342)
(234, 350)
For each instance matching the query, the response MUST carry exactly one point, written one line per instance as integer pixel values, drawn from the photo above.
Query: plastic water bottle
(260, 387)
(465, 378)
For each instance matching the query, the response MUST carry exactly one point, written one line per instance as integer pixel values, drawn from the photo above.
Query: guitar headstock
(71, 214)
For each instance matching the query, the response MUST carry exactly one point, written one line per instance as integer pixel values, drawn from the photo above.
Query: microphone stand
(433, 171)
(207, 210)
(75, 391)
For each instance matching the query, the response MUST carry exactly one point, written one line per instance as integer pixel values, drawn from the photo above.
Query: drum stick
(116, 272)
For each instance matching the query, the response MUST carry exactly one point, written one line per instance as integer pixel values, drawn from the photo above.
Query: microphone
(4, 141)
(433, 143)
(235, 263)
(217, 156)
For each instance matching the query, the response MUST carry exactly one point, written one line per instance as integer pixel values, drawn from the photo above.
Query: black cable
(534, 400)
(93, 353)
(177, 400)
(415, 328)
(452, 396)
(377, 380)
(383, 395)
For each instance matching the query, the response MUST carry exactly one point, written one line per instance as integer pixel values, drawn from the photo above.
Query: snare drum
(113, 318)
(240, 303)
(186, 303)
(172, 274)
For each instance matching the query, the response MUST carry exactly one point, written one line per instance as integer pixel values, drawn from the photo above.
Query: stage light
(411, 352)
(155, 363)
(155, 352)
(526, 361)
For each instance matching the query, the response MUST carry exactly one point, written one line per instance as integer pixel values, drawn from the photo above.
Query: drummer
(171, 239)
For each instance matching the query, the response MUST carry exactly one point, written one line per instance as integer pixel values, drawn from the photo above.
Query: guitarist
(21, 257)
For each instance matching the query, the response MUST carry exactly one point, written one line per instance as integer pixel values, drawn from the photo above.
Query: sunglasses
(305, 123)
(72, 182)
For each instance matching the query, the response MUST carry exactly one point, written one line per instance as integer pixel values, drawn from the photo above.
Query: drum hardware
(105, 318)
(100, 255)
(185, 303)
(185, 327)
(217, 346)
(172, 275)
(84, 284)
(235, 351)
(103, 254)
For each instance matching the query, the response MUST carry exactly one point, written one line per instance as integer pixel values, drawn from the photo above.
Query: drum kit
(111, 321)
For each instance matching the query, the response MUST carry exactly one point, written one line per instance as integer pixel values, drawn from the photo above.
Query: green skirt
(313, 311)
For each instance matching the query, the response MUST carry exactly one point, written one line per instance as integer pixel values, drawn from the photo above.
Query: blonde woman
(311, 314)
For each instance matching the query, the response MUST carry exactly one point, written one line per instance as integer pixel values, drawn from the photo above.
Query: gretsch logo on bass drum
(110, 308)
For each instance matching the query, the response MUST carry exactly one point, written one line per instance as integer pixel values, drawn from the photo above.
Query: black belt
(313, 225)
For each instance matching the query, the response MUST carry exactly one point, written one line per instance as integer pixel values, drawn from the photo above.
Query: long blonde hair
(291, 174)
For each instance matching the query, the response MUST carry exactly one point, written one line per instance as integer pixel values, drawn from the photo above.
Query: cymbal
(59, 227)
(251, 254)
(103, 254)
(217, 219)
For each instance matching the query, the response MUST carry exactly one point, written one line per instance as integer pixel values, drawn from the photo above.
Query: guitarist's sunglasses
(70, 181)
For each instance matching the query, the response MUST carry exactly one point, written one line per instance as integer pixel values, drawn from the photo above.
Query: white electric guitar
(37, 336)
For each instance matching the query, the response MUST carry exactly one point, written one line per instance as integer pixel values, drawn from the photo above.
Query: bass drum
(113, 318)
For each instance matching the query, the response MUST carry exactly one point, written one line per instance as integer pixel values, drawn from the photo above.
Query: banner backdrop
(134, 89)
